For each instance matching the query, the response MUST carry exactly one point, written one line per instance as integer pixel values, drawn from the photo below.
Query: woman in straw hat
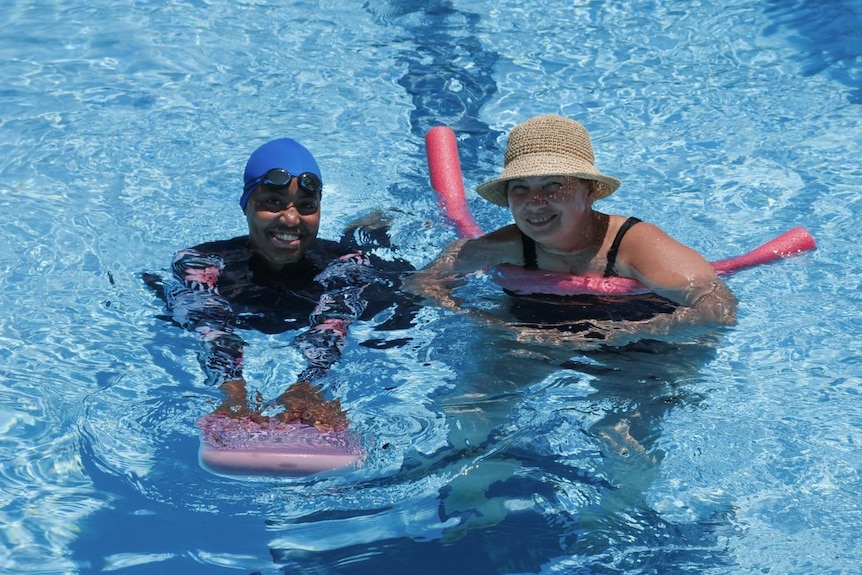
(549, 183)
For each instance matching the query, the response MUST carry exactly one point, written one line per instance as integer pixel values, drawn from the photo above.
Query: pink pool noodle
(789, 243)
(445, 170)
(524, 281)
(447, 181)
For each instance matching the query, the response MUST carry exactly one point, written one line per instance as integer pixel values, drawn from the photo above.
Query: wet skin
(282, 222)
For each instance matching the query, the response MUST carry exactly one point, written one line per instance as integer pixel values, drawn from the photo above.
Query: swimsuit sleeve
(341, 303)
(194, 303)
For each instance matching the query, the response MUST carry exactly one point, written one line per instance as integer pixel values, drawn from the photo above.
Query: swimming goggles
(279, 178)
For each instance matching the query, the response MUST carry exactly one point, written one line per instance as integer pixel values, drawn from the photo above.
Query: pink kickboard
(239, 446)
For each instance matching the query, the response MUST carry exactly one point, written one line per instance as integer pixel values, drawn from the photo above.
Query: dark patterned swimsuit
(220, 287)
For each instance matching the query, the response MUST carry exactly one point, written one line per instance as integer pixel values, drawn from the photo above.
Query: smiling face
(282, 222)
(553, 210)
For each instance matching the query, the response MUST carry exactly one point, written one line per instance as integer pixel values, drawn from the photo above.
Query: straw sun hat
(548, 145)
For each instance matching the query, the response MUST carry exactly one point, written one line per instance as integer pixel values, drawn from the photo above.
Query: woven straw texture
(548, 145)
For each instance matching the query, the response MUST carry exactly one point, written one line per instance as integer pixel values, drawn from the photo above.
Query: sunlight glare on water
(126, 126)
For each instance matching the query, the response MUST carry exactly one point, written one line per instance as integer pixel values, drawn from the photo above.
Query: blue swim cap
(283, 153)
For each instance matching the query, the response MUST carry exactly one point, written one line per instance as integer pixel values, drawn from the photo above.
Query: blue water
(125, 126)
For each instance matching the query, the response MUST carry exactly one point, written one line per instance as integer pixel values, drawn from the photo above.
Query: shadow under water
(549, 462)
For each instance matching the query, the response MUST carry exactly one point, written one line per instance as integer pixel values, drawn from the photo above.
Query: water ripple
(126, 126)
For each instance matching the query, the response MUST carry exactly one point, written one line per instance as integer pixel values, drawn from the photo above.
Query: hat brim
(545, 164)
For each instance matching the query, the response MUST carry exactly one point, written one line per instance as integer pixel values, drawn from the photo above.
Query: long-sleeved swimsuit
(220, 287)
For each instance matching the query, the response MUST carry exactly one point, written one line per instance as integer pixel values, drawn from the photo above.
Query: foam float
(239, 446)
(447, 181)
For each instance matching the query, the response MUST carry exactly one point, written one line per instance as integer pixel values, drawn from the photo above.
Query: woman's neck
(581, 246)
(584, 238)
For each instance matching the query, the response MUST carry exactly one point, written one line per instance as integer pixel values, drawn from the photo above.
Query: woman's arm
(678, 273)
(322, 342)
(194, 303)
(461, 258)
(341, 304)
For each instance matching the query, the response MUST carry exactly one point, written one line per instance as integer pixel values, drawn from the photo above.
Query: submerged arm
(321, 343)
(461, 258)
(436, 281)
(678, 273)
(195, 304)
(344, 280)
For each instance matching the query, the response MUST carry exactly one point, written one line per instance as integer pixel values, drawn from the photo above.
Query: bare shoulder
(679, 273)
(647, 233)
(498, 247)
(648, 238)
(650, 253)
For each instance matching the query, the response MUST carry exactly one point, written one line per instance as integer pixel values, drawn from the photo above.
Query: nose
(537, 196)
(289, 214)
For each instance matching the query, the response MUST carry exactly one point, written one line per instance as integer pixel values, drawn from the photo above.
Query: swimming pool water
(125, 128)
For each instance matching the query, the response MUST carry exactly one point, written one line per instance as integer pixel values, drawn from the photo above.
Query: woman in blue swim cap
(280, 278)
(281, 201)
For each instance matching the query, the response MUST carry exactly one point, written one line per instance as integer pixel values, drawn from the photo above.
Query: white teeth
(286, 237)
(539, 220)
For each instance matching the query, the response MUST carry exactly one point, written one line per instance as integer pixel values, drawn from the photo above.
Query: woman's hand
(305, 403)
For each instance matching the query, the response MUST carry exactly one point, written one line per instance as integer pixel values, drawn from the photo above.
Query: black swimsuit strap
(615, 247)
(531, 262)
